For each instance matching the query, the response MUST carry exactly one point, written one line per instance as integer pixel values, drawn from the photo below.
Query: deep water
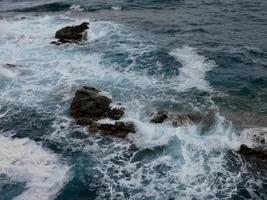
(182, 56)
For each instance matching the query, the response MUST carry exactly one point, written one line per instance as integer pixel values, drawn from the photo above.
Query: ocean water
(182, 56)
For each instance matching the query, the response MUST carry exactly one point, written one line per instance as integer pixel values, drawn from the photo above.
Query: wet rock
(55, 43)
(159, 117)
(72, 33)
(89, 103)
(255, 152)
(116, 113)
(9, 65)
(195, 117)
(84, 121)
(181, 120)
(89, 106)
(119, 129)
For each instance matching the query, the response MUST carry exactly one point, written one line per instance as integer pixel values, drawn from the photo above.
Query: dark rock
(55, 42)
(10, 65)
(84, 121)
(116, 113)
(181, 120)
(256, 152)
(119, 129)
(159, 117)
(89, 103)
(195, 117)
(72, 33)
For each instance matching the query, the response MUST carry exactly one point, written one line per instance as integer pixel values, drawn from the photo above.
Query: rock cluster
(89, 106)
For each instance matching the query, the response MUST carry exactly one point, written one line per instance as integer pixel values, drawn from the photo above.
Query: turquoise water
(181, 56)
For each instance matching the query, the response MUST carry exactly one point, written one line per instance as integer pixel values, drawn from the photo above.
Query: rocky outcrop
(255, 152)
(89, 103)
(257, 140)
(159, 117)
(71, 34)
(89, 106)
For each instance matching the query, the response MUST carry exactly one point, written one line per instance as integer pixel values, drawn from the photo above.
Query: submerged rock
(181, 120)
(159, 117)
(89, 103)
(255, 152)
(72, 33)
(9, 65)
(177, 120)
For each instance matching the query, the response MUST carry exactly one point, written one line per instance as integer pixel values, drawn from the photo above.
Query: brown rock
(181, 120)
(159, 117)
(255, 152)
(116, 113)
(72, 33)
(89, 103)
(119, 129)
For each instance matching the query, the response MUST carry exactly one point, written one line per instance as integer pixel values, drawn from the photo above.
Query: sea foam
(194, 68)
(24, 161)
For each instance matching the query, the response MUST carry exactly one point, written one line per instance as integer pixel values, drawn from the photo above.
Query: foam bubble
(24, 161)
(194, 68)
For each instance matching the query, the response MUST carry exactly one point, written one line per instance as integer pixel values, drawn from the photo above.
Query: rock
(89, 106)
(55, 42)
(84, 121)
(72, 33)
(119, 129)
(116, 113)
(181, 120)
(195, 117)
(256, 152)
(159, 117)
(89, 103)
(8, 65)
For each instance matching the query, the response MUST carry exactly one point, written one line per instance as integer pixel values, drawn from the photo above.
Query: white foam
(116, 8)
(25, 161)
(75, 7)
(194, 68)
(8, 72)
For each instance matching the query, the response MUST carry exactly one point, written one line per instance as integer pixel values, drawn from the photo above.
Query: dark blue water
(181, 56)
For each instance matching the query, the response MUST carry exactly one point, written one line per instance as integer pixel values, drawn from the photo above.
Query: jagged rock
(116, 113)
(159, 117)
(89, 103)
(72, 33)
(256, 152)
(119, 129)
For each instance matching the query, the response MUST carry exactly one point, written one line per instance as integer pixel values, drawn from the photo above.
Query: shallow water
(181, 56)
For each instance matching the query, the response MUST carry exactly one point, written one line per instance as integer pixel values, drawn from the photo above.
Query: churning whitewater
(208, 73)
